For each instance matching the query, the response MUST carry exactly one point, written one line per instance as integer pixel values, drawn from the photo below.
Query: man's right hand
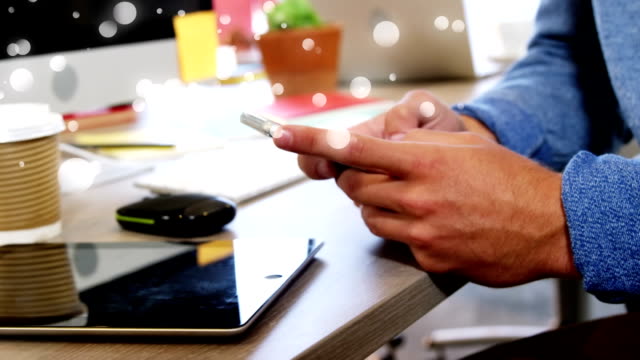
(417, 109)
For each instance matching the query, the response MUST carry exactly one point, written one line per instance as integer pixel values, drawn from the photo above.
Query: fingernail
(397, 137)
(282, 138)
(323, 168)
(275, 131)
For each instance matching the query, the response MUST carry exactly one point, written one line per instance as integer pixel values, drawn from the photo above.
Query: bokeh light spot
(441, 23)
(77, 175)
(159, 11)
(360, 87)
(12, 49)
(308, 44)
(125, 13)
(58, 63)
(338, 138)
(181, 13)
(11, 10)
(73, 126)
(458, 26)
(268, 6)
(24, 46)
(143, 86)
(277, 89)
(75, 14)
(276, 131)
(393, 77)
(225, 19)
(21, 80)
(319, 100)
(386, 33)
(108, 29)
(427, 109)
(139, 105)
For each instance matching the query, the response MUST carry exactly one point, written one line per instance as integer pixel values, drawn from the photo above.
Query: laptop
(408, 39)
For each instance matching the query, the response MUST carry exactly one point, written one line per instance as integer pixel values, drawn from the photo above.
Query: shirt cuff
(502, 117)
(601, 198)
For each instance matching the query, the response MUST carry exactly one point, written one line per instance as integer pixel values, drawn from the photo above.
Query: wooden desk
(360, 292)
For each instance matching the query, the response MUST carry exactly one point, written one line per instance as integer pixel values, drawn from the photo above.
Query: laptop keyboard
(239, 171)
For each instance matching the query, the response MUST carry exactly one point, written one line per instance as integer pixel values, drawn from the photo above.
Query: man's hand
(462, 203)
(417, 109)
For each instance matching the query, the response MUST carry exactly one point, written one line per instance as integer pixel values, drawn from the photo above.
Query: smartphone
(261, 123)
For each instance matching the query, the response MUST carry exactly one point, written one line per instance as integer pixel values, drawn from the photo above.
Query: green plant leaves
(291, 14)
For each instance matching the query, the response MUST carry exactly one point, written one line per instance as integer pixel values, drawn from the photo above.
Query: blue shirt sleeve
(552, 105)
(601, 197)
(557, 100)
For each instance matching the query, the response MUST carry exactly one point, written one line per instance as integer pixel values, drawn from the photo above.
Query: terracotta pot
(303, 60)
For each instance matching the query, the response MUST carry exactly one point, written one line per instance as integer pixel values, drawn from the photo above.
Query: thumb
(419, 109)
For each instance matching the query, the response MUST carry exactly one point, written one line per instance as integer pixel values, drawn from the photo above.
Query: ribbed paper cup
(36, 282)
(29, 159)
(36, 285)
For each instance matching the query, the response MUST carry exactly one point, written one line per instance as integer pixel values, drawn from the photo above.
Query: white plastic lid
(20, 122)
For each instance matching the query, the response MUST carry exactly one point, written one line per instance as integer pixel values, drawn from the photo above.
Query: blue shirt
(571, 101)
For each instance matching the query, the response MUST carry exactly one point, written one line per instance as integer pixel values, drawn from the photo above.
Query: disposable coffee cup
(29, 160)
(36, 281)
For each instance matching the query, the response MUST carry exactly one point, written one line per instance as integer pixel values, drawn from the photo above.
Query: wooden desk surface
(358, 293)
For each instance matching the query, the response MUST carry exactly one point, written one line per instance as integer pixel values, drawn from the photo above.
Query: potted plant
(300, 52)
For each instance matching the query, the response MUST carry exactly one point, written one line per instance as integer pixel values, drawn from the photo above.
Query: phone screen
(219, 285)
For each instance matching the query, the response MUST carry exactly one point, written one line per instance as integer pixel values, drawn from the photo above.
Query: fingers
(344, 147)
(419, 109)
(445, 138)
(373, 127)
(387, 224)
(370, 189)
(317, 168)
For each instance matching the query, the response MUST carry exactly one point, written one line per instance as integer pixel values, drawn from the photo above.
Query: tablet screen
(219, 286)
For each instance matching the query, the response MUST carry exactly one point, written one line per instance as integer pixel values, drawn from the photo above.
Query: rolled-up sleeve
(558, 107)
(557, 100)
(601, 197)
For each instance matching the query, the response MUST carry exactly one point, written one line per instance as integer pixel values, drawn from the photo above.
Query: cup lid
(26, 121)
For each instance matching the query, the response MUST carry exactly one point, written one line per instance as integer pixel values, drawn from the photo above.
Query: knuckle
(355, 151)
(414, 203)
(348, 182)
(431, 263)
(372, 222)
(308, 165)
(395, 114)
(416, 235)
(418, 95)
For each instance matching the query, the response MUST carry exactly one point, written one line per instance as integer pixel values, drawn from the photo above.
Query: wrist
(476, 126)
(558, 259)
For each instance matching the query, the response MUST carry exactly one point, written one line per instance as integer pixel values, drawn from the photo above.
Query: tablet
(218, 288)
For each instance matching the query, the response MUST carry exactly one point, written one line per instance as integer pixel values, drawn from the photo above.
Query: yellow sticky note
(197, 42)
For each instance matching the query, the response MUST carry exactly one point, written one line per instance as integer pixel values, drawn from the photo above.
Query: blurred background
(79, 56)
